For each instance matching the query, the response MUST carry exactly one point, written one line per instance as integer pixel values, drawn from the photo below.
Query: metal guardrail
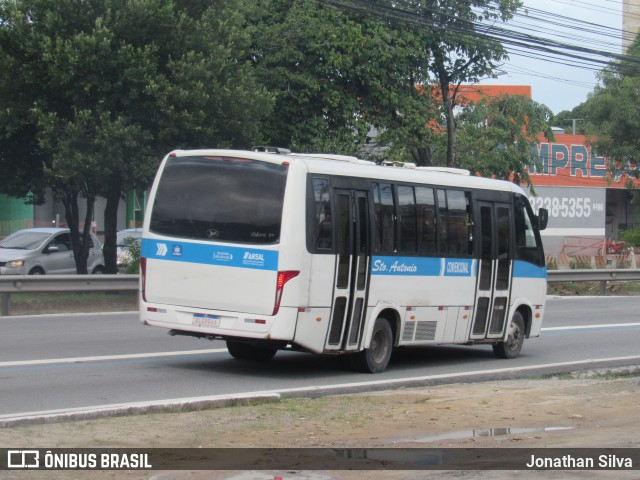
(67, 283)
(10, 284)
(599, 275)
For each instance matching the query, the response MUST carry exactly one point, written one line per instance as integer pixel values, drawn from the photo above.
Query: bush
(632, 237)
(133, 255)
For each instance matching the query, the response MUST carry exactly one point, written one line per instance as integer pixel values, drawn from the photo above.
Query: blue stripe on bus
(444, 267)
(459, 267)
(208, 254)
(528, 270)
(423, 266)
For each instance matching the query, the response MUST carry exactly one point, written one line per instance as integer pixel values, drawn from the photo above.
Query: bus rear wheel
(252, 352)
(376, 358)
(511, 347)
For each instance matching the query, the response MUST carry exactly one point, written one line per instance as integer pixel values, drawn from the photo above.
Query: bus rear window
(220, 199)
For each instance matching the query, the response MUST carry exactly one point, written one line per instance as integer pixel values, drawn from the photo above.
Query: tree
(306, 55)
(570, 119)
(456, 46)
(94, 92)
(21, 158)
(612, 111)
(460, 54)
(396, 96)
(496, 135)
(336, 74)
(409, 126)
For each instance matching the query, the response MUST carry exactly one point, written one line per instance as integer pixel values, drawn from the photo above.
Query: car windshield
(24, 240)
(121, 239)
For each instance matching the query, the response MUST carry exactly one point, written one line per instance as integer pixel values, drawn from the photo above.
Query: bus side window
(459, 222)
(384, 210)
(443, 223)
(527, 246)
(322, 205)
(426, 206)
(408, 222)
(454, 222)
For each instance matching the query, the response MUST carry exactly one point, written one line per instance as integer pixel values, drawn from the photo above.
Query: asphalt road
(60, 362)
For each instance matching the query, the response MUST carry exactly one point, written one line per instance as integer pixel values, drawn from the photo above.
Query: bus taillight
(143, 277)
(283, 278)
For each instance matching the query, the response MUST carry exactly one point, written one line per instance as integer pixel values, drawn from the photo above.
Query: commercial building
(587, 202)
(630, 21)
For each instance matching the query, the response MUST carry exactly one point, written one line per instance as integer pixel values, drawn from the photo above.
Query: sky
(563, 87)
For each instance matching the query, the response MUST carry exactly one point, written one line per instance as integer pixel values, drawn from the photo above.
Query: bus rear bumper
(221, 324)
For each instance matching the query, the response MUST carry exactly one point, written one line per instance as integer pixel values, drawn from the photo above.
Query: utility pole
(573, 122)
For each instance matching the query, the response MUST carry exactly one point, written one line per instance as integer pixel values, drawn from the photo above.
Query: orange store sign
(570, 162)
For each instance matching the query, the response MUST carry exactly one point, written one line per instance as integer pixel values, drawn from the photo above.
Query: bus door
(494, 270)
(352, 270)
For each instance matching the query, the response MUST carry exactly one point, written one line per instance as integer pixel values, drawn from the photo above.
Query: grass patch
(592, 288)
(573, 288)
(601, 374)
(70, 302)
(633, 288)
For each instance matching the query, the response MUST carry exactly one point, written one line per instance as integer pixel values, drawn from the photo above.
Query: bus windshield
(220, 199)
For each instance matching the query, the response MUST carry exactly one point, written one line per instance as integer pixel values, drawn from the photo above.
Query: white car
(39, 251)
(123, 254)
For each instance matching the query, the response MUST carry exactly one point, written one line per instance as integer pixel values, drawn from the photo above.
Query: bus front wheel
(248, 351)
(511, 347)
(376, 358)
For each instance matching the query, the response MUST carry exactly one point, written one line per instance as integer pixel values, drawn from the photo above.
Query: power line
(540, 21)
(555, 49)
(531, 34)
(533, 73)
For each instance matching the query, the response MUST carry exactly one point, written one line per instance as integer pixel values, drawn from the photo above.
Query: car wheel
(252, 352)
(99, 270)
(515, 339)
(36, 271)
(376, 358)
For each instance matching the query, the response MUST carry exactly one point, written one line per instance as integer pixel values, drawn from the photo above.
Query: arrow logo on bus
(162, 249)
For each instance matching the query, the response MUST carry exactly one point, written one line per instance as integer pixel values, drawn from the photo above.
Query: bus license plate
(203, 320)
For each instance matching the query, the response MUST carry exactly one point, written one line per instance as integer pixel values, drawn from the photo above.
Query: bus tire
(252, 352)
(376, 358)
(511, 347)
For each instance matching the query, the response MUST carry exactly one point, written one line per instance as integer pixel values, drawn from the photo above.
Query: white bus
(330, 254)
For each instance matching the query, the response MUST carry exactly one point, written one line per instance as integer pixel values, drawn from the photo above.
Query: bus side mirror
(543, 218)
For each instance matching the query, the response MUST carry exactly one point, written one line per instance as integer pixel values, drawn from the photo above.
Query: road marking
(96, 411)
(47, 361)
(131, 408)
(591, 327)
(475, 373)
(53, 361)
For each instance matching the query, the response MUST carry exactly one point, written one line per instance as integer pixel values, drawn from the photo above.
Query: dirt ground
(572, 411)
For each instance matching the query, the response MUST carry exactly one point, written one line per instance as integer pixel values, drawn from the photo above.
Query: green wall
(136, 201)
(14, 215)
